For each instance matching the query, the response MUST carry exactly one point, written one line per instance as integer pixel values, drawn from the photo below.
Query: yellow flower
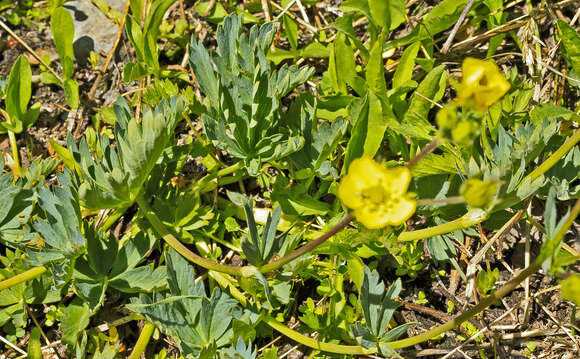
(377, 195)
(483, 83)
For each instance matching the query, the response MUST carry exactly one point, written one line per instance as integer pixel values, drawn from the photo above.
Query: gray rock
(93, 31)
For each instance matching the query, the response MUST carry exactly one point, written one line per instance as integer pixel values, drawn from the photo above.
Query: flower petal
(350, 191)
(483, 81)
(371, 218)
(397, 180)
(402, 211)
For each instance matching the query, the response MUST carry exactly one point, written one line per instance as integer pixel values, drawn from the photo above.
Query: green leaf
(75, 319)
(71, 92)
(319, 141)
(135, 35)
(344, 24)
(155, 16)
(203, 69)
(115, 180)
(194, 321)
(54, 4)
(61, 230)
(380, 13)
(415, 123)
(137, 7)
(290, 28)
(258, 249)
(34, 349)
(49, 79)
(101, 250)
(216, 15)
(571, 288)
(240, 351)
(345, 61)
(571, 45)
(377, 304)
(65, 155)
(243, 112)
(63, 32)
(361, 6)
(359, 110)
(16, 205)
(404, 71)
(444, 15)
(140, 279)
(18, 91)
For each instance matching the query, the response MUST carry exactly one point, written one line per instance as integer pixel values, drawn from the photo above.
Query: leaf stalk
(471, 218)
(22, 277)
(143, 340)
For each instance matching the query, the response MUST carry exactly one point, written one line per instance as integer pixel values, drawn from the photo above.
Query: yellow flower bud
(478, 193)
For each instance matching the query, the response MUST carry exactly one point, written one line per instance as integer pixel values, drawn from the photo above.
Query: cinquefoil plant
(243, 113)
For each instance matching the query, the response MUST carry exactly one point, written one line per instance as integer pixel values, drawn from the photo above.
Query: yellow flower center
(375, 195)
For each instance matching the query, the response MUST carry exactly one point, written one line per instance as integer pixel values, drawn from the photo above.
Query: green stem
(315, 344)
(290, 333)
(142, 342)
(435, 202)
(113, 217)
(487, 301)
(15, 156)
(471, 218)
(498, 294)
(22, 277)
(221, 173)
(223, 268)
(212, 185)
(553, 159)
(306, 248)
(180, 248)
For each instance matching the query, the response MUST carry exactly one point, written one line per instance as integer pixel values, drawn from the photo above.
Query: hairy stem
(22, 277)
(142, 342)
(424, 152)
(307, 247)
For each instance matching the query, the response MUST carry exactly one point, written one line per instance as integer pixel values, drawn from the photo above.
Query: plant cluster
(312, 184)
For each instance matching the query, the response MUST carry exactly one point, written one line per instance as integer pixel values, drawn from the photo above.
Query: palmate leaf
(378, 306)
(61, 241)
(243, 114)
(106, 265)
(319, 141)
(509, 158)
(192, 319)
(115, 178)
(239, 351)
(16, 204)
